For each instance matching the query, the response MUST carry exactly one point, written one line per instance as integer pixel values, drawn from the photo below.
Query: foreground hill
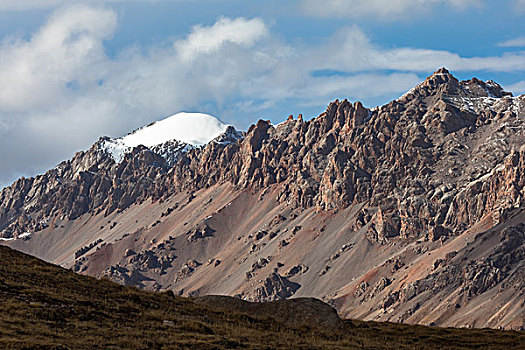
(411, 212)
(43, 306)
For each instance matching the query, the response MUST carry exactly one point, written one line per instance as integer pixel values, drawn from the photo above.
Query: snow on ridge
(184, 130)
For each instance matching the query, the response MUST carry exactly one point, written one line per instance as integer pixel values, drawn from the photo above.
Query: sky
(72, 71)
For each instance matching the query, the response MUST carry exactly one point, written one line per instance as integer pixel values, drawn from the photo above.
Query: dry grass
(46, 307)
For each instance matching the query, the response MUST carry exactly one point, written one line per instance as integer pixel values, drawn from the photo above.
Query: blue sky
(71, 71)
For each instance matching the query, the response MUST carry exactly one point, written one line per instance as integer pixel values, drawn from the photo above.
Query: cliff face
(384, 212)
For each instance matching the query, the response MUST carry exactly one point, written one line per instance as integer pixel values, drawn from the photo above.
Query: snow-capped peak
(193, 128)
(182, 131)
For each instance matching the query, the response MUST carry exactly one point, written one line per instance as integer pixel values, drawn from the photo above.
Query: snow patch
(25, 234)
(21, 236)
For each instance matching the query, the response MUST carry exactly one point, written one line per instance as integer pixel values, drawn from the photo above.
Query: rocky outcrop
(124, 276)
(274, 287)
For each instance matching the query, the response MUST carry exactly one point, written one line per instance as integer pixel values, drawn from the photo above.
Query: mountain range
(410, 212)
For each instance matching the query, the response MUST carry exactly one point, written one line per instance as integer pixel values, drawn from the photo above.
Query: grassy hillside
(43, 306)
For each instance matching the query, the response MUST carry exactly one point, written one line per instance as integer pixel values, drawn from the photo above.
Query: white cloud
(60, 91)
(516, 42)
(205, 40)
(45, 68)
(386, 9)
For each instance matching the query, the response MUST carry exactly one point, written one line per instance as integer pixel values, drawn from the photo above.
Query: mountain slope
(409, 212)
(43, 306)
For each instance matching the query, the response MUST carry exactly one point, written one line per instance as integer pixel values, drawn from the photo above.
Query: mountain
(43, 306)
(409, 212)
